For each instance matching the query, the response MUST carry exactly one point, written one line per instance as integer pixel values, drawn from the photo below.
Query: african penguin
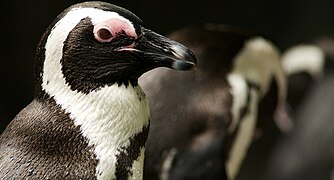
(306, 150)
(203, 122)
(89, 118)
(303, 64)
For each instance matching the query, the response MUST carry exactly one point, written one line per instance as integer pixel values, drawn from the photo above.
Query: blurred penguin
(203, 122)
(307, 150)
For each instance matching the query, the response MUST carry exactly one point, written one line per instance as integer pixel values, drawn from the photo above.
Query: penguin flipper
(43, 142)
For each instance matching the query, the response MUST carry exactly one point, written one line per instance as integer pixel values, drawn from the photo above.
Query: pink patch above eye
(107, 30)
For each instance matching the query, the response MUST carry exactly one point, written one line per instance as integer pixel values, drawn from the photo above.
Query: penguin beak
(159, 51)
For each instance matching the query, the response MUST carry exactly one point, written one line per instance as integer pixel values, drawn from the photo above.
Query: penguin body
(215, 108)
(89, 118)
(305, 151)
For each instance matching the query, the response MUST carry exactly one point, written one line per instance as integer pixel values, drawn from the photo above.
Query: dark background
(285, 22)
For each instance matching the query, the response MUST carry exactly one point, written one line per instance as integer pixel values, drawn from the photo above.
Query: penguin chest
(115, 121)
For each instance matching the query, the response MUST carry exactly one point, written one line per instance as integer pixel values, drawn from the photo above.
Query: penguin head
(95, 44)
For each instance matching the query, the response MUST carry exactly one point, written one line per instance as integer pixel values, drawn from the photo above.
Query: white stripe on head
(304, 58)
(53, 80)
(108, 116)
(258, 62)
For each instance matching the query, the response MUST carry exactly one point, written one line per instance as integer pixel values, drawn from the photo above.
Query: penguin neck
(115, 121)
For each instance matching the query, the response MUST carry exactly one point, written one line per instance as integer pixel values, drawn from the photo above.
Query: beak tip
(165, 52)
(186, 58)
(183, 65)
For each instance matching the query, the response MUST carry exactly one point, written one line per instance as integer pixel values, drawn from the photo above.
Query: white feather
(304, 58)
(243, 138)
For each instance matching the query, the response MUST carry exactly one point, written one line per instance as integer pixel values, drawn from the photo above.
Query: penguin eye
(103, 34)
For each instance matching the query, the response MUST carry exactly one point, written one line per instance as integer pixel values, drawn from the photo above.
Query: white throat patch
(108, 117)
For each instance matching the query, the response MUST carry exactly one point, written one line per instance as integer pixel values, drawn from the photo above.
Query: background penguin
(306, 150)
(89, 118)
(204, 121)
(303, 65)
